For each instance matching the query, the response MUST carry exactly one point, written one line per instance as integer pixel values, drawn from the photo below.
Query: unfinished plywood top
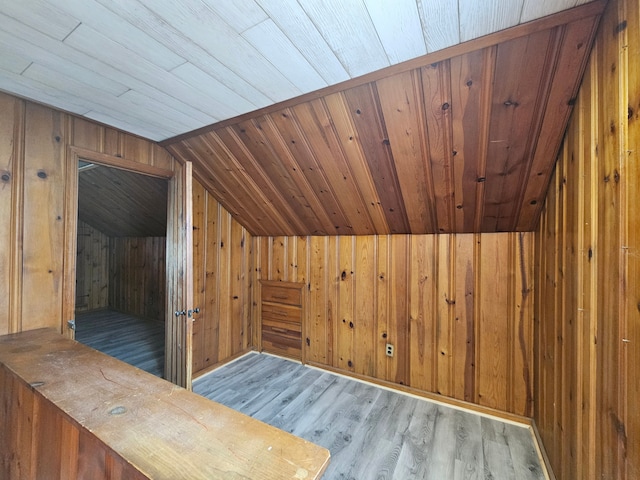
(163, 430)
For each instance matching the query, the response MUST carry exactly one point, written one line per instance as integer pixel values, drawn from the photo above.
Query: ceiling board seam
(490, 55)
(590, 9)
(326, 220)
(551, 63)
(292, 219)
(231, 158)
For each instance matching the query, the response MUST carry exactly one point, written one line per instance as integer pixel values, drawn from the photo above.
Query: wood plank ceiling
(120, 203)
(462, 140)
(324, 116)
(159, 68)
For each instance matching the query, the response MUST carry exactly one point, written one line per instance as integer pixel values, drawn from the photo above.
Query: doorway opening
(120, 264)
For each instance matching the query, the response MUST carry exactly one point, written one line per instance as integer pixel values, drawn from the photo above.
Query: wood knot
(350, 363)
(445, 106)
(385, 141)
(481, 179)
(343, 275)
(6, 176)
(622, 26)
(119, 410)
(510, 103)
(350, 324)
(42, 174)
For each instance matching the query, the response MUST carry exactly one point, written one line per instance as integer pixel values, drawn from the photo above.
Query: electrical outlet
(389, 350)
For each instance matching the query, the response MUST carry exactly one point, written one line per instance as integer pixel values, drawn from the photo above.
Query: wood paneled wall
(92, 269)
(221, 260)
(587, 334)
(34, 149)
(457, 308)
(137, 278)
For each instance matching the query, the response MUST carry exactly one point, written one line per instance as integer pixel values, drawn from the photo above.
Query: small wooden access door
(281, 306)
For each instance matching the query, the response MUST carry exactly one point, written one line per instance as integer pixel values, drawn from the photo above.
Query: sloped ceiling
(324, 116)
(462, 140)
(159, 68)
(122, 204)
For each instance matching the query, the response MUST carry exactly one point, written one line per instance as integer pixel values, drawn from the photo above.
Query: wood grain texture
(87, 415)
(457, 308)
(92, 269)
(137, 276)
(586, 382)
(459, 142)
(35, 143)
(222, 288)
(411, 436)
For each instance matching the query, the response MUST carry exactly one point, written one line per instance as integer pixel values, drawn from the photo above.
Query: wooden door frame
(76, 154)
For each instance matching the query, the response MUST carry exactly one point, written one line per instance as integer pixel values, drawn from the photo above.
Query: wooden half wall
(587, 335)
(457, 308)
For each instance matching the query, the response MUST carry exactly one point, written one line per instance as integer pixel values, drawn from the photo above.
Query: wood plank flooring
(137, 341)
(373, 433)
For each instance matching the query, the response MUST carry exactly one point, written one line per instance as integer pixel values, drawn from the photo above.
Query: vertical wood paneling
(222, 283)
(92, 269)
(586, 335)
(44, 150)
(11, 174)
(137, 276)
(34, 151)
(457, 309)
(632, 300)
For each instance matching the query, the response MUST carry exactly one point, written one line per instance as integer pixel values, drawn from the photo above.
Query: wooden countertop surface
(163, 430)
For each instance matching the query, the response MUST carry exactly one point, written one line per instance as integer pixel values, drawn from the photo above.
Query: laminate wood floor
(372, 432)
(137, 341)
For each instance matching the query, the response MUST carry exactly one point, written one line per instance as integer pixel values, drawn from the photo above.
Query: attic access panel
(462, 140)
(120, 203)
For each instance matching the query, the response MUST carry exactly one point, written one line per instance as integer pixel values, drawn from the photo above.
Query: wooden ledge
(163, 431)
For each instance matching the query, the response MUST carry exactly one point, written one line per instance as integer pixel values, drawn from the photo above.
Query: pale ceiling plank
(350, 33)
(95, 99)
(488, 16)
(269, 40)
(138, 101)
(27, 88)
(28, 52)
(113, 26)
(440, 23)
(136, 129)
(156, 27)
(294, 22)
(239, 15)
(87, 40)
(399, 29)
(41, 16)
(533, 9)
(13, 63)
(27, 34)
(231, 103)
(208, 30)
